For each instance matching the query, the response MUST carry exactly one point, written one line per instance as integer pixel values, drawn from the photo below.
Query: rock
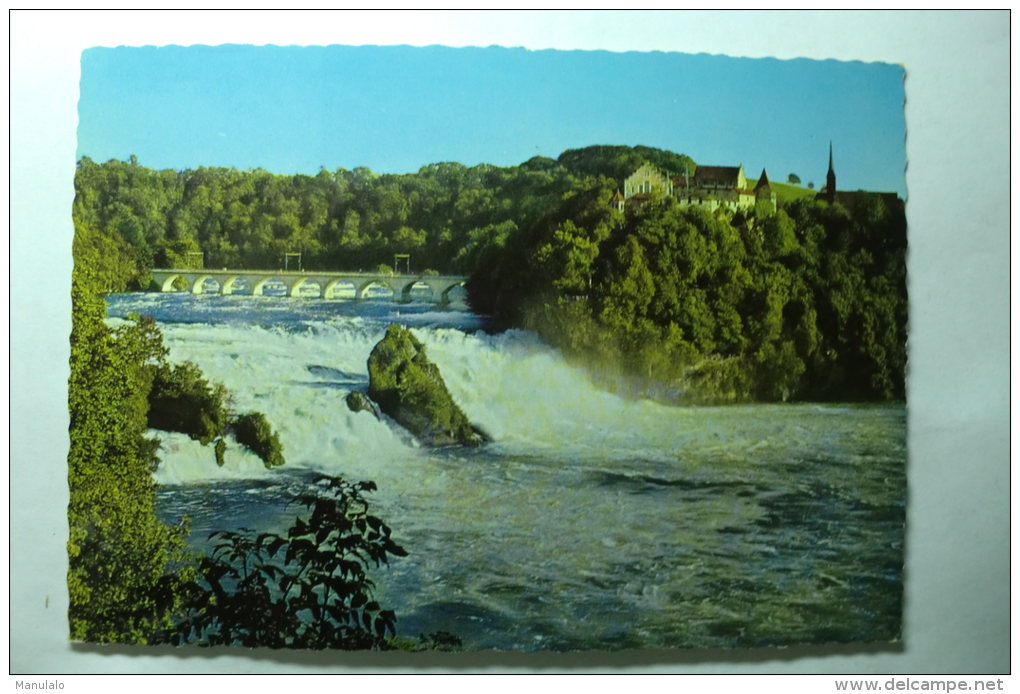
(220, 449)
(359, 402)
(253, 431)
(409, 388)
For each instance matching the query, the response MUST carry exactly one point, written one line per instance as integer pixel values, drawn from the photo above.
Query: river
(590, 521)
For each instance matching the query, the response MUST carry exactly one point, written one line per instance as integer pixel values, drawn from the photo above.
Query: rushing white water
(590, 521)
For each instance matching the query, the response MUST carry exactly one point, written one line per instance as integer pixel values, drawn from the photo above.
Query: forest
(689, 306)
(807, 302)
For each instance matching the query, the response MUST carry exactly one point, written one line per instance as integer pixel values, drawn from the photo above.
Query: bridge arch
(198, 286)
(273, 281)
(444, 296)
(405, 289)
(362, 290)
(338, 285)
(175, 283)
(230, 284)
(297, 289)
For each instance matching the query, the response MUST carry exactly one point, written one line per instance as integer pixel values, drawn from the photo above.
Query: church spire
(830, 179)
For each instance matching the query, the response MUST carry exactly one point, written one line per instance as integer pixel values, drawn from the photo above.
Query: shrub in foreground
(308, 588)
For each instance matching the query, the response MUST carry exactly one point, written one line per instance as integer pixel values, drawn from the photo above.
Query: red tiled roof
(729, 174)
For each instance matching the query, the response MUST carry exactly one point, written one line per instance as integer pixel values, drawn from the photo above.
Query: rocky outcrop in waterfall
(359, 402)
(409, 388)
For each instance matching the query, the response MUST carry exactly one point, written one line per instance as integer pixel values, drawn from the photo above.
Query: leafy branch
(308, 588)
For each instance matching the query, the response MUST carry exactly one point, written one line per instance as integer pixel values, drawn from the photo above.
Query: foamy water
(591, 521)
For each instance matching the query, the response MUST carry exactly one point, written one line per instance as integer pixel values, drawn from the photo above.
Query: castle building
(642, 182)
(711, 188)
(716, 186)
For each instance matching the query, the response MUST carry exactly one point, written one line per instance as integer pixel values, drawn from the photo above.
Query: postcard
(471, 349)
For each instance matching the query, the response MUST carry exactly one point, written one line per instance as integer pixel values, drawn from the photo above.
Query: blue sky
(396, 108)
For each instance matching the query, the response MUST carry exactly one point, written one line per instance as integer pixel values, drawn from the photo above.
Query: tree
(126, 572)
(618, 162)
(114, 263)
(180, 254)
(630, 294)
(182, 400)
(793, 178)
(567, 259)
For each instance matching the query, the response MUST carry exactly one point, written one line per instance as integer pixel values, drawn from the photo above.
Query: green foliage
(339, 219)
(114, 263)
(619, 162)
(678, 303)
(129, 204)
(181, 254)
(793, 179)
(484, 245)
(182, 400)
(308, 588)
(253, 431)
(125, 568)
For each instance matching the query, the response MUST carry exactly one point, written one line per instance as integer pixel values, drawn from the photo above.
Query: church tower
(763, 192)
(830, 180)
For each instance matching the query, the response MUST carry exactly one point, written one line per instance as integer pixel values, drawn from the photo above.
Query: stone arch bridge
(303, 283)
